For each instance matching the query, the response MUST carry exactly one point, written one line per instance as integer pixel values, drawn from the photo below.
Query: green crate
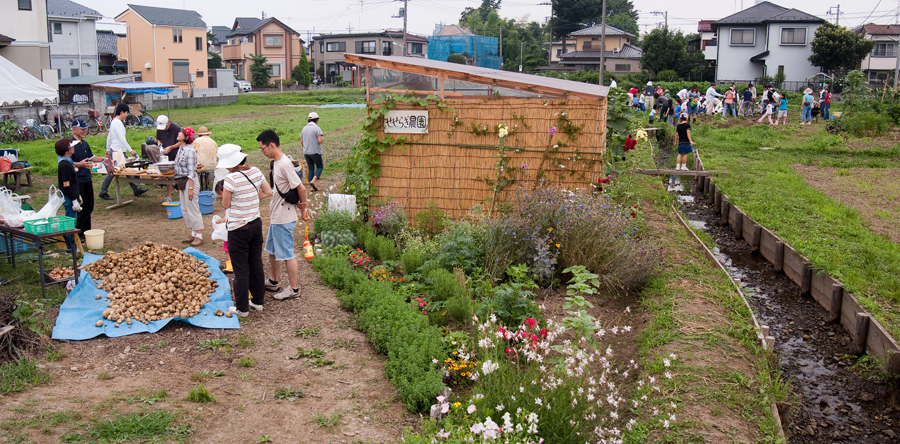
(37, 226)
(61, 223)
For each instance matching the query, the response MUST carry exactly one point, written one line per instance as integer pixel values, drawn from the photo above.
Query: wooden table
(10, 235)
(17, 177)
(151, 179)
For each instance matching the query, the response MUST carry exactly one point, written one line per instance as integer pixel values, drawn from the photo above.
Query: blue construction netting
(440, 47)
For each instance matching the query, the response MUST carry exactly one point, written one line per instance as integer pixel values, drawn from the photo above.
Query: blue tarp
(80, 311)
(140, 87)
(440, 47)
(343, 105)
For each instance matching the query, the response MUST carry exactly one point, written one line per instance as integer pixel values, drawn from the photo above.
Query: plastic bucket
(173, 209)
(206, 201)
(93, 239)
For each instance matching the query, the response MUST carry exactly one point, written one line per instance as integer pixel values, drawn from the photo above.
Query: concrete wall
(76, 47)
(146, 43)
(794, 58)
(733, 61)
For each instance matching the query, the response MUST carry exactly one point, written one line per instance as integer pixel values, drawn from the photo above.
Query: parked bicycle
(11, 132)
(95, 125)
(38, 129)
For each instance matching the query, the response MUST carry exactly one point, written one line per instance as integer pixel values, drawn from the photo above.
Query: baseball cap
(313, 115)
(161, 122)
(78, 123)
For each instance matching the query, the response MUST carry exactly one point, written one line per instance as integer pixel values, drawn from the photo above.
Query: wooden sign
(406, 121)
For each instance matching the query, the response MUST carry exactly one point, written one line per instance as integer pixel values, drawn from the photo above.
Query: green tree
(301, 71)
(482, 11)
(836, 49)
(457, 58)
(211, 39)
(214, 61)
(572, 15)
(664, 49)
(260, 72)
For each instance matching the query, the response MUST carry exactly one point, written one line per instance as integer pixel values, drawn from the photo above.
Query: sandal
(196, 242)
(188, 240)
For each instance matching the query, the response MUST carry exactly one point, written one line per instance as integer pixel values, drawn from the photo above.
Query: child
(770, 107)
(816, 110)
(67, 175)
(782, 112)
(684, 143)
(220, 188)
(679, 109)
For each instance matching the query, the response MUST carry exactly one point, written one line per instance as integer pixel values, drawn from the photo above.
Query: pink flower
(552, 130)
(530, 322)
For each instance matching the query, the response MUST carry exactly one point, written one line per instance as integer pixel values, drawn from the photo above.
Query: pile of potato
(152, 282)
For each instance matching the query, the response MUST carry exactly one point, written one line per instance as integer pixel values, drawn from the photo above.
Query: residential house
(165, 45)
(880, 64)
(327, 50)
(24, 39)
(619, 55)
(221, 35)
(269, 37)
(763, 40)
(108, 52)
(708, 39)
(73, 39)
(556, 50)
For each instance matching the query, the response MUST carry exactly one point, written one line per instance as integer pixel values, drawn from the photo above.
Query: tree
(260, 72)
(572, 15)
(214, 61)
(663, 49)
(210, 39)
(482, 11)
(836, 49)
(301, 71)
(457, 58)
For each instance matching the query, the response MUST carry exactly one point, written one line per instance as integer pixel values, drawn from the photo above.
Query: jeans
(825, 107)
(70, 212)
(747, 108)
(86, 191)
(806, 113)
(730, 110)
(108, 179)
(245, 247)
(314, 164)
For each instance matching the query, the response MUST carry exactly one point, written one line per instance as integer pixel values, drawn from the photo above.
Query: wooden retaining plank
(771, 248)
(850, 317)
(751, 232)
(827, 291)
(725, 211)
(797, 269)
(736, 219)
(883, 346)
(711, 191)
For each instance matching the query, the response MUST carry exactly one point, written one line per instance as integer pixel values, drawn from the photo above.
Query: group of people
(240, 192)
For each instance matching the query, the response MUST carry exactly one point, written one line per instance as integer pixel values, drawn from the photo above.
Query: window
(415, 48)
(276, 69)
(387, 47)
(742, 36)
(793, 36)
(321, 47)
(181, 72)
(198, 42)
(623, 67)
(57, 28)
(199, 73)
(558, 53)
(884, 50)
(73, 72)
(336, 47)
(365, 47)
(273, 40)
(176, 35)
(24, 5)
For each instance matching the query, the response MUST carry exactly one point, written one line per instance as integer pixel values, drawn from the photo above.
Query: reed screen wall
(449, 165)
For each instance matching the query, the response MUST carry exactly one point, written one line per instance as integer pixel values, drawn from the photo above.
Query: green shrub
(458, 248)
(866, 123)
(667, 75)
(389, 219)
(411, 260)
(384, 249)
(512, 304)
(444, 285)
(329, 220)
(438, 318)
(432, 221)
(459, 308)
(334, 238)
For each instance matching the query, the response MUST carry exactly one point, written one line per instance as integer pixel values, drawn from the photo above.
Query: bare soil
(874, 192)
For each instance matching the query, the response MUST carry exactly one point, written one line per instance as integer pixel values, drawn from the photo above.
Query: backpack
(292, 196)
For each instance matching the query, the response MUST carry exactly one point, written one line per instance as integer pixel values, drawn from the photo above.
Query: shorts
(685, 148)
(280, 241)
(782, 113)
(225, 246)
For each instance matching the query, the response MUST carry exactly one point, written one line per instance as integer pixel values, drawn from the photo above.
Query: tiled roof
(873, 29)
(107, 43)
(397, 35)
(627, 52)
(221, 33)
(766, 12)
(249, 25)
(453, 30)
(705, 26)
(6, 39)
(170, 17)
(66, 8)
(596, 30)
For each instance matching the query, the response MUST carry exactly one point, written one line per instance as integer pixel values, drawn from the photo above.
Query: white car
(243, 85)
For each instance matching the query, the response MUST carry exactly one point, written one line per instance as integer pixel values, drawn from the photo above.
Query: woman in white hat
(806, 110)
(244, 187)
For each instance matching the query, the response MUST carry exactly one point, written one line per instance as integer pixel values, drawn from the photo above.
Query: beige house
(250, 36)
(24, 37)
(619, 55)
(556, 50)
(327, 50)
(164, 45)
(879, 65)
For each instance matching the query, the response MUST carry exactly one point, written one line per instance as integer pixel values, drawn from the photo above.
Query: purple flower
(552, 130)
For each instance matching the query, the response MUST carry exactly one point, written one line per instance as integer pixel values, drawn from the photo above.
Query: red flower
(633, 215)
(607, 179)
(509, 350)
(543, 332)
(629, 144)
(530, 322)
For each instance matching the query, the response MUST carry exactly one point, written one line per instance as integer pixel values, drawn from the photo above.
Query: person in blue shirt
(806, 109)
(782, 111)
(747, 101)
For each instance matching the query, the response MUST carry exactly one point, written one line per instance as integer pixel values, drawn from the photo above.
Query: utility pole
(501, 46)
(550, 26)
(602, 45)
(405, 13)
(665, 15)
(520, 55)
(837, 16)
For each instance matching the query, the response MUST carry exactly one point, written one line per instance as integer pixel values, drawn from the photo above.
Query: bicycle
(95, 125)
(39, 130)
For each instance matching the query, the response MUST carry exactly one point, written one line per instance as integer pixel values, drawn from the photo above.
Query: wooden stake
(726, 209)
(805, 280)
(860, 332)
(779, 256)
(837, 293)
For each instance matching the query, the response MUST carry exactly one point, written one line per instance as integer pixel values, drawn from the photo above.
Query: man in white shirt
(612, 82)
(116, 142)
(711, 94)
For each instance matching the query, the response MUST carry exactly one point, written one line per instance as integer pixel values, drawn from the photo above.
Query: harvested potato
(219, 313)
(99, 323)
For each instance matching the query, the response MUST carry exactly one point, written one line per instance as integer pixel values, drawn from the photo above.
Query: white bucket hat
(649, 83)
(230, 156)
(807, 91)
(161, 122)
(313, 115)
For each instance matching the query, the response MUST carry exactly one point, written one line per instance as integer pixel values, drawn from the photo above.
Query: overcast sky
(315, 16)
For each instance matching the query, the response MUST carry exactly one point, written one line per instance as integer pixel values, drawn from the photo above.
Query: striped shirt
(244, 197)
(186, 162)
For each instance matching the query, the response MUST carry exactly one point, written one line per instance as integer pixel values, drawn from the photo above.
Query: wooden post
(757, 235)
(711, 191)
(717, 200)
(805, 281)
(368, 83)
(726, 209)
(837, 293)
(860, 333)
(442, 87)
(779, 256)
(738, 223)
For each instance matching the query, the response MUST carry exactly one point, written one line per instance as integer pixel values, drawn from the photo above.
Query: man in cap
(116, 142)
(206, 149)
(167, 135)
(311, 137)
(83, 158)
(648, 96)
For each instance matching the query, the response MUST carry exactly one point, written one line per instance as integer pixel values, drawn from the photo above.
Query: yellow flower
(550, 229)
(557, 245)
(456, 404)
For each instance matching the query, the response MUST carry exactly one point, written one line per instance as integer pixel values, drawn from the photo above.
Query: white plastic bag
(220, 232)
(8, 203)
(54, 201)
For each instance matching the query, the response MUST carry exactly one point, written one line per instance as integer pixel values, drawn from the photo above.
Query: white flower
(668, 375)
(502, 132)
(666, 362)
(479, 396)
(489, 367)
(538, 401)
(471, 409)
(500, 408)
(434, 361)
(476, 428)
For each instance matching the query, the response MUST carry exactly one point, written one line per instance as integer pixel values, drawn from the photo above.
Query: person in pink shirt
(826, 103)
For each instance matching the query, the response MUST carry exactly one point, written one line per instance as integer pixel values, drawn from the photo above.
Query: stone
(127, 349)
(867, 397)
(889, 433)
(806, 337)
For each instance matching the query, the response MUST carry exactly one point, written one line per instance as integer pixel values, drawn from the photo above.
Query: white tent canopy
(17, 87)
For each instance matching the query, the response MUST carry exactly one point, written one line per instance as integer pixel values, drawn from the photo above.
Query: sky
(310, 17)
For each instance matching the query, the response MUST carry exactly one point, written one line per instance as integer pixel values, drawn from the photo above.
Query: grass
(322, 420)
(247, 361)
(833, 236)
(212, 344)
(104, 376)
(303, 353)
(245, 340)
(18, 375)
(199, 393)
(151, 398)
(161, 344)
(141, 427)
(289, 395)
(203, 376)
(307, 333)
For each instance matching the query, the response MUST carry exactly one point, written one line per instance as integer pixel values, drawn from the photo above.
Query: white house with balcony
(879, 65)
(73, 39)
(763, 40)
(23, 38)
(708, 39)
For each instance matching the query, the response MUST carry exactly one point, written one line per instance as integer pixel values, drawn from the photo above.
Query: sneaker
(271, 285)
(287, 293)
(105, 196)
(140, 192)
(242, 314)
(196, 242)
(168, 200)
(254, 306)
